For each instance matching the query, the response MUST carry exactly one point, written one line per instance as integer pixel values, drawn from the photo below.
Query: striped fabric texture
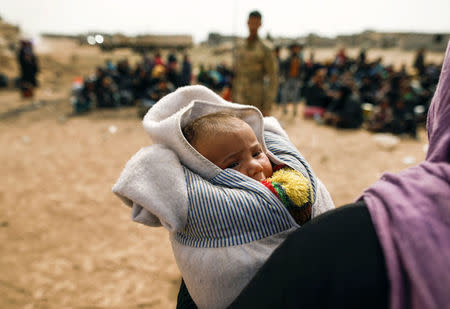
(232, 209)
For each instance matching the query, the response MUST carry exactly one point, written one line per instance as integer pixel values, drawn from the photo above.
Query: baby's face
(238, 149)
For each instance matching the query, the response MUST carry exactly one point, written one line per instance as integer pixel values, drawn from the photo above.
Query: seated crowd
(345, 93)
(121, 85)
(350, 93)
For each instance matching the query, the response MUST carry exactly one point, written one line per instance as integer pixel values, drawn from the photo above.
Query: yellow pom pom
(296, 186)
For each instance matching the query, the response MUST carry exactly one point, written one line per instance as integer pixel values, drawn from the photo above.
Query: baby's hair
(210, 124)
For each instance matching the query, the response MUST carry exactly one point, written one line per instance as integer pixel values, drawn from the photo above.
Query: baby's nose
(255, 169)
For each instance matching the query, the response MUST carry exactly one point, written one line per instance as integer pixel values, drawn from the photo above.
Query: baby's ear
(154, 185)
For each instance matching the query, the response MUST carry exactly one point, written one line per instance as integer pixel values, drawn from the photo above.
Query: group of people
(336, 92)
(218, 79)
(120, 84)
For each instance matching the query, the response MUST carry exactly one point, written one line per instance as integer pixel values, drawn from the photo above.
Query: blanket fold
(152, 180)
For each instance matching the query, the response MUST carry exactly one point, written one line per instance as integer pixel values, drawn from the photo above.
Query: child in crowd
(227, 184)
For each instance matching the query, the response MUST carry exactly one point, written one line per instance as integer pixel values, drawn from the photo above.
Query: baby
(227, 184)
(230, 142)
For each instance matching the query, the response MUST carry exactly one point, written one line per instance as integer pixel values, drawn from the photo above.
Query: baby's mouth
(260, 177)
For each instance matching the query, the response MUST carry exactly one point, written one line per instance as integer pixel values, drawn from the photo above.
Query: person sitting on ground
(316, 96)
(404, 120)
(366, 90)
(333, 83)
(226, 183)
(158, 59)
(107, 93)
(381, 118)
(162, 88)
(85, 98)
(344, 111)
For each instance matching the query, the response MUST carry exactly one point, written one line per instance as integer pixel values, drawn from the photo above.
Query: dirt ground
(68, 242)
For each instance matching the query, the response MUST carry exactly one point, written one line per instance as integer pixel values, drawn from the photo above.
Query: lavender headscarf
(411, 214)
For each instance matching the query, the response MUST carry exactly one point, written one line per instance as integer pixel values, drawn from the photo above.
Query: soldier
(256, 70)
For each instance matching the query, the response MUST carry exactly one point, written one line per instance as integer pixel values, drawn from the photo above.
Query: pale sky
(199, 17)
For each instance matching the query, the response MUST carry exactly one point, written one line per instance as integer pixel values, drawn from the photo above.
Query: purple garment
(411, 214)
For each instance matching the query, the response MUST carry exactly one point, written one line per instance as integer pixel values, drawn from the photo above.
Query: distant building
(373, 39)
(215, 39)
(149, 42)
(403, 40)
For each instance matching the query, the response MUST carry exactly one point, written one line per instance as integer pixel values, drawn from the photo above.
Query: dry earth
(68, 242)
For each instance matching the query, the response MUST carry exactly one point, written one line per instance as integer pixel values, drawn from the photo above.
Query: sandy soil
(68, 242)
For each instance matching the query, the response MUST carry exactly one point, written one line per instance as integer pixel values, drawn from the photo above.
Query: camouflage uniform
(256, 73)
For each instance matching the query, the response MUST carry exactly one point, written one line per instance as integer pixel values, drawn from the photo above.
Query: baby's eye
(257, 154)
(233, 165)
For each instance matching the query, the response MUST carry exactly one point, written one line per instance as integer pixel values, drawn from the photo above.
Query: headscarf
(411, 214)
